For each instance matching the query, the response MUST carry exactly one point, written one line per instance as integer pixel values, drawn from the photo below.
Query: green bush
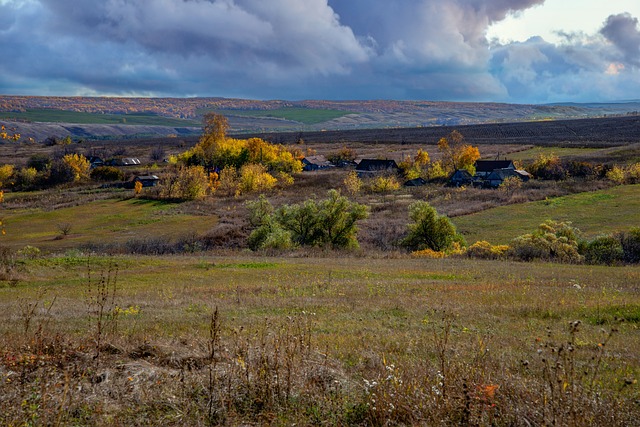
(430, 230)
(604, 250)
(329, 222)
(630, 242)
(552, 241)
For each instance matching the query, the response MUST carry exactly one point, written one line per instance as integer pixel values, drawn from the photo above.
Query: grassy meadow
(593, 213)
(307, 116)
(109, 220)
(201, 340)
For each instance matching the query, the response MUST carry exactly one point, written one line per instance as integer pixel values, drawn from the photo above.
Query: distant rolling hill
(102, 118)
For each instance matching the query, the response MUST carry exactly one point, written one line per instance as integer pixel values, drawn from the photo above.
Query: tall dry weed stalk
(100, 297)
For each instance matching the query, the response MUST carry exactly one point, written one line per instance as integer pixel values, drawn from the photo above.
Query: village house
(314, 163)
(371, 167)
(460, 178)
(497, 177)
(125, 161)
(485, 167)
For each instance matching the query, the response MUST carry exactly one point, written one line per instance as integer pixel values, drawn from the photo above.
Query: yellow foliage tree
(254, 177)
(414, 167)
(352, 183)
(79, 165)
(456, 154)
(6, 172)
(187, 183)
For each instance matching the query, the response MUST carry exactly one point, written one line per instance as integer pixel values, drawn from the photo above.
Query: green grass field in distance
(105, 221)
(61, 116)
(593, 213)
(531, 154)
(307, 116)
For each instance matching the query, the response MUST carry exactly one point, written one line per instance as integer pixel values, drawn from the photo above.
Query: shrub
(553, 241)
(581, 169)
(329, 222)
(25, 178)
(352, 183)
(187, 183)
(6, 172)
(485, 250)
(107, 173)
(254, 178)
(228, 180)
(616, 175)
(632, 174)
(39, 162)
(604, 250)
(548, 167)
(510, 185)
(29, 252)
(429, 253)
(384, 184)
(630, 242)
(430, 230)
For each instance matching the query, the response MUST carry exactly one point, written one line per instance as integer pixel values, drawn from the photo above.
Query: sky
(517, 51)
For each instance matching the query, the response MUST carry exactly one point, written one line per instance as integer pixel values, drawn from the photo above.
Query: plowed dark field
(600, 132)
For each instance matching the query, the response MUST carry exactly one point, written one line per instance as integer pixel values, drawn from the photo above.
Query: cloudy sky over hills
(524, 51)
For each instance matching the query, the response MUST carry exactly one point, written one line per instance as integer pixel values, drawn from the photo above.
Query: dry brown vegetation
(323, 341)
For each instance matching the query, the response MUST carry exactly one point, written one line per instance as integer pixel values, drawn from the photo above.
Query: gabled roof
(376, 165)
(315, 160)
(416, 182)
(490, 165)
(501, 174)
(461, 174)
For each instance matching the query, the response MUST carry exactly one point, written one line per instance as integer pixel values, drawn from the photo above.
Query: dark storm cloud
(622, 30)
(420, 49)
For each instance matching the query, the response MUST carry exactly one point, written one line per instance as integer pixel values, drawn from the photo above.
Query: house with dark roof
(371, 167)
(314, 163)
(145, 180)
(461, 177)
(497, 177)
(125, 161)
(95, 161)
(416, 182)
(485, 167)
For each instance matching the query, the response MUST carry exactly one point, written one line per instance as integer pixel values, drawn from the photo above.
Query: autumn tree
(456, 154)
(186, 183)
(414, 167)
(6, 134)
(78, 165)
(6, 172)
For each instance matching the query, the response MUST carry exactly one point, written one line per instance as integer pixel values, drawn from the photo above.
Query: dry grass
(338, 341)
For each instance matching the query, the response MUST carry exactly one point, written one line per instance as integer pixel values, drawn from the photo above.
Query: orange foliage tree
(456, 154)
